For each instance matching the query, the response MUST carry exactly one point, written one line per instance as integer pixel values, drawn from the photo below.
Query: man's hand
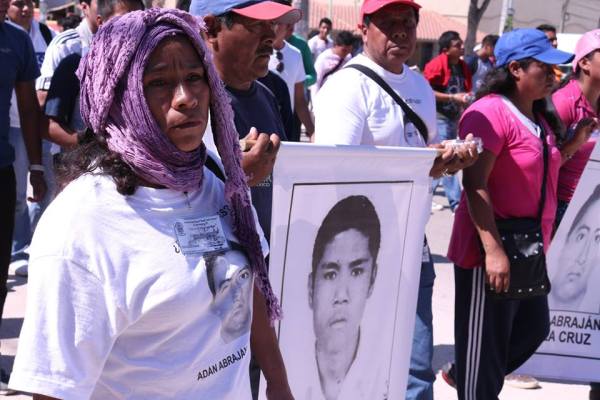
(259, 160)
(36, 178)
(451, 159)
(584, 130)
(461, 98)
(444, 157)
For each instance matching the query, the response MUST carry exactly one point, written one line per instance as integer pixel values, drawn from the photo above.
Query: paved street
(438, 232)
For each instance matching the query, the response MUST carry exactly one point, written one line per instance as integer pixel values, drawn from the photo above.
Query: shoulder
(77, 211)
(292, 51)
(65, 43)
(69, 64)
(16, 33)
(434, 63)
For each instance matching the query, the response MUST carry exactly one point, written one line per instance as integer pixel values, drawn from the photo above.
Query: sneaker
(521, 381)
(436, 206)
(4, 390)
(449, 374)
(22, 271)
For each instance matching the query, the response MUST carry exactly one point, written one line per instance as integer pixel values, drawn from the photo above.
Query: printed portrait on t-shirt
(230, 281)
(344, 268)
(578, 258)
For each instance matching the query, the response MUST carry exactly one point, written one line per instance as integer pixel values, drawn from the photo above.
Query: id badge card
(200, 235)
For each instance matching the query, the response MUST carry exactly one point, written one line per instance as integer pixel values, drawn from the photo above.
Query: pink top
(515, 181)
(572, 106)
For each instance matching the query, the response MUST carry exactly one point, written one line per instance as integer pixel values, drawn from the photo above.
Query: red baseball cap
(372, 6)
(269, 11)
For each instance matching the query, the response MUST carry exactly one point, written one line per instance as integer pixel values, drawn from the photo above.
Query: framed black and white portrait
(346, 250)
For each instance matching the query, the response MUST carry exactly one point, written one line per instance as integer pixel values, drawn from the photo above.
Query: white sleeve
(301, 74)
(70, 326)
(52, 58)
(340, 110)
(430, 117)
(319, 67)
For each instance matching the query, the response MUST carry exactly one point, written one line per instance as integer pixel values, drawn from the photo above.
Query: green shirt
(301, 44)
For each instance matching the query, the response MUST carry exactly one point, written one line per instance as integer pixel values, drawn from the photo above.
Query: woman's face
(177, 92)
(591, 64)
(536, 80)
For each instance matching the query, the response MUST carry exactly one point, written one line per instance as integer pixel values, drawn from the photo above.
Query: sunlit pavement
(438, 233)
(438, 236)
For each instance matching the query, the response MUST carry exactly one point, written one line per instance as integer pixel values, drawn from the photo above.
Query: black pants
(492, 337)
(8, 196)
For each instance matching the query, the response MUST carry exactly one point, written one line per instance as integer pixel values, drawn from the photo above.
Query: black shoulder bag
(523, 244)
(410, 114)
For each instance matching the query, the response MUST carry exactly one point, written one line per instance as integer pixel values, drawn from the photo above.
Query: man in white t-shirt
(286, 61)
(321, 41)
(20, 14)
(332, 60)
(353, 109)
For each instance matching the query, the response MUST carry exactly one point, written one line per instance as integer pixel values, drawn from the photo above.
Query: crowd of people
(138, 131)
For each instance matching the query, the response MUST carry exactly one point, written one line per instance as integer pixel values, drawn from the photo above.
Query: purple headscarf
(113, 105)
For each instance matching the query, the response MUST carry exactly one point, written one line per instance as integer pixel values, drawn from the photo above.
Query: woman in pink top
(495, 336)
(576, 101)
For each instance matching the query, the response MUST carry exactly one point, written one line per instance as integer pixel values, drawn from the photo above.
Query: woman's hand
(584, 129)
(497, 270)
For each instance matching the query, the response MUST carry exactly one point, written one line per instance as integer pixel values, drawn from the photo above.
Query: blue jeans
(421, 375)
(447, 130)
(27, 214)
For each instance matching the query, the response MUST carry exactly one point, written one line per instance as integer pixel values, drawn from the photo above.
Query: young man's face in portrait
(233, 285)
(340, 288)
(579, 256)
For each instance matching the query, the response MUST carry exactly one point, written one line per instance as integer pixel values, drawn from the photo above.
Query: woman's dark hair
(501, 81)
(92, 154)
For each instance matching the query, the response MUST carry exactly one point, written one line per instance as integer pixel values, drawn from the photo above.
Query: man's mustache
(265, 51)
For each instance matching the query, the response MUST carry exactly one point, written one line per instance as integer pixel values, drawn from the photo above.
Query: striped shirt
(64, 44)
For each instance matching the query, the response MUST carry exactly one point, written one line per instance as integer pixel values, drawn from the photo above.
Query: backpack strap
(46, 34)
(410, 114)
(213, 167)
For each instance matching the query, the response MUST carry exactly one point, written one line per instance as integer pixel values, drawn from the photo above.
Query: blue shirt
(18, 64)
(62, 102)
(257, 107)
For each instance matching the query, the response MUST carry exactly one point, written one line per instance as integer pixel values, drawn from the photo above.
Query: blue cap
(257, 9)
(528, 43)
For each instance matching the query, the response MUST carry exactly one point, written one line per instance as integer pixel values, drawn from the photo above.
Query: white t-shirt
(317, 45)
(364, 379)
(39, 47)
(293, 70)
(352, 109)
(117, 308)
(64, 44)
(326, 62)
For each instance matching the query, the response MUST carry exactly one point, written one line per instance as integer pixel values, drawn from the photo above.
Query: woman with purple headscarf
(121, 301)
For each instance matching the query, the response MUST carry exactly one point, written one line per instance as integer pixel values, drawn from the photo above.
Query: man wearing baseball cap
(241, 36)
(352, 108)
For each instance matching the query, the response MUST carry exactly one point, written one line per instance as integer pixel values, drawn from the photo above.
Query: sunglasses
(280, 66)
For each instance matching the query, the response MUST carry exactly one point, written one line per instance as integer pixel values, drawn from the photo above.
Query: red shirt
(437, 72)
